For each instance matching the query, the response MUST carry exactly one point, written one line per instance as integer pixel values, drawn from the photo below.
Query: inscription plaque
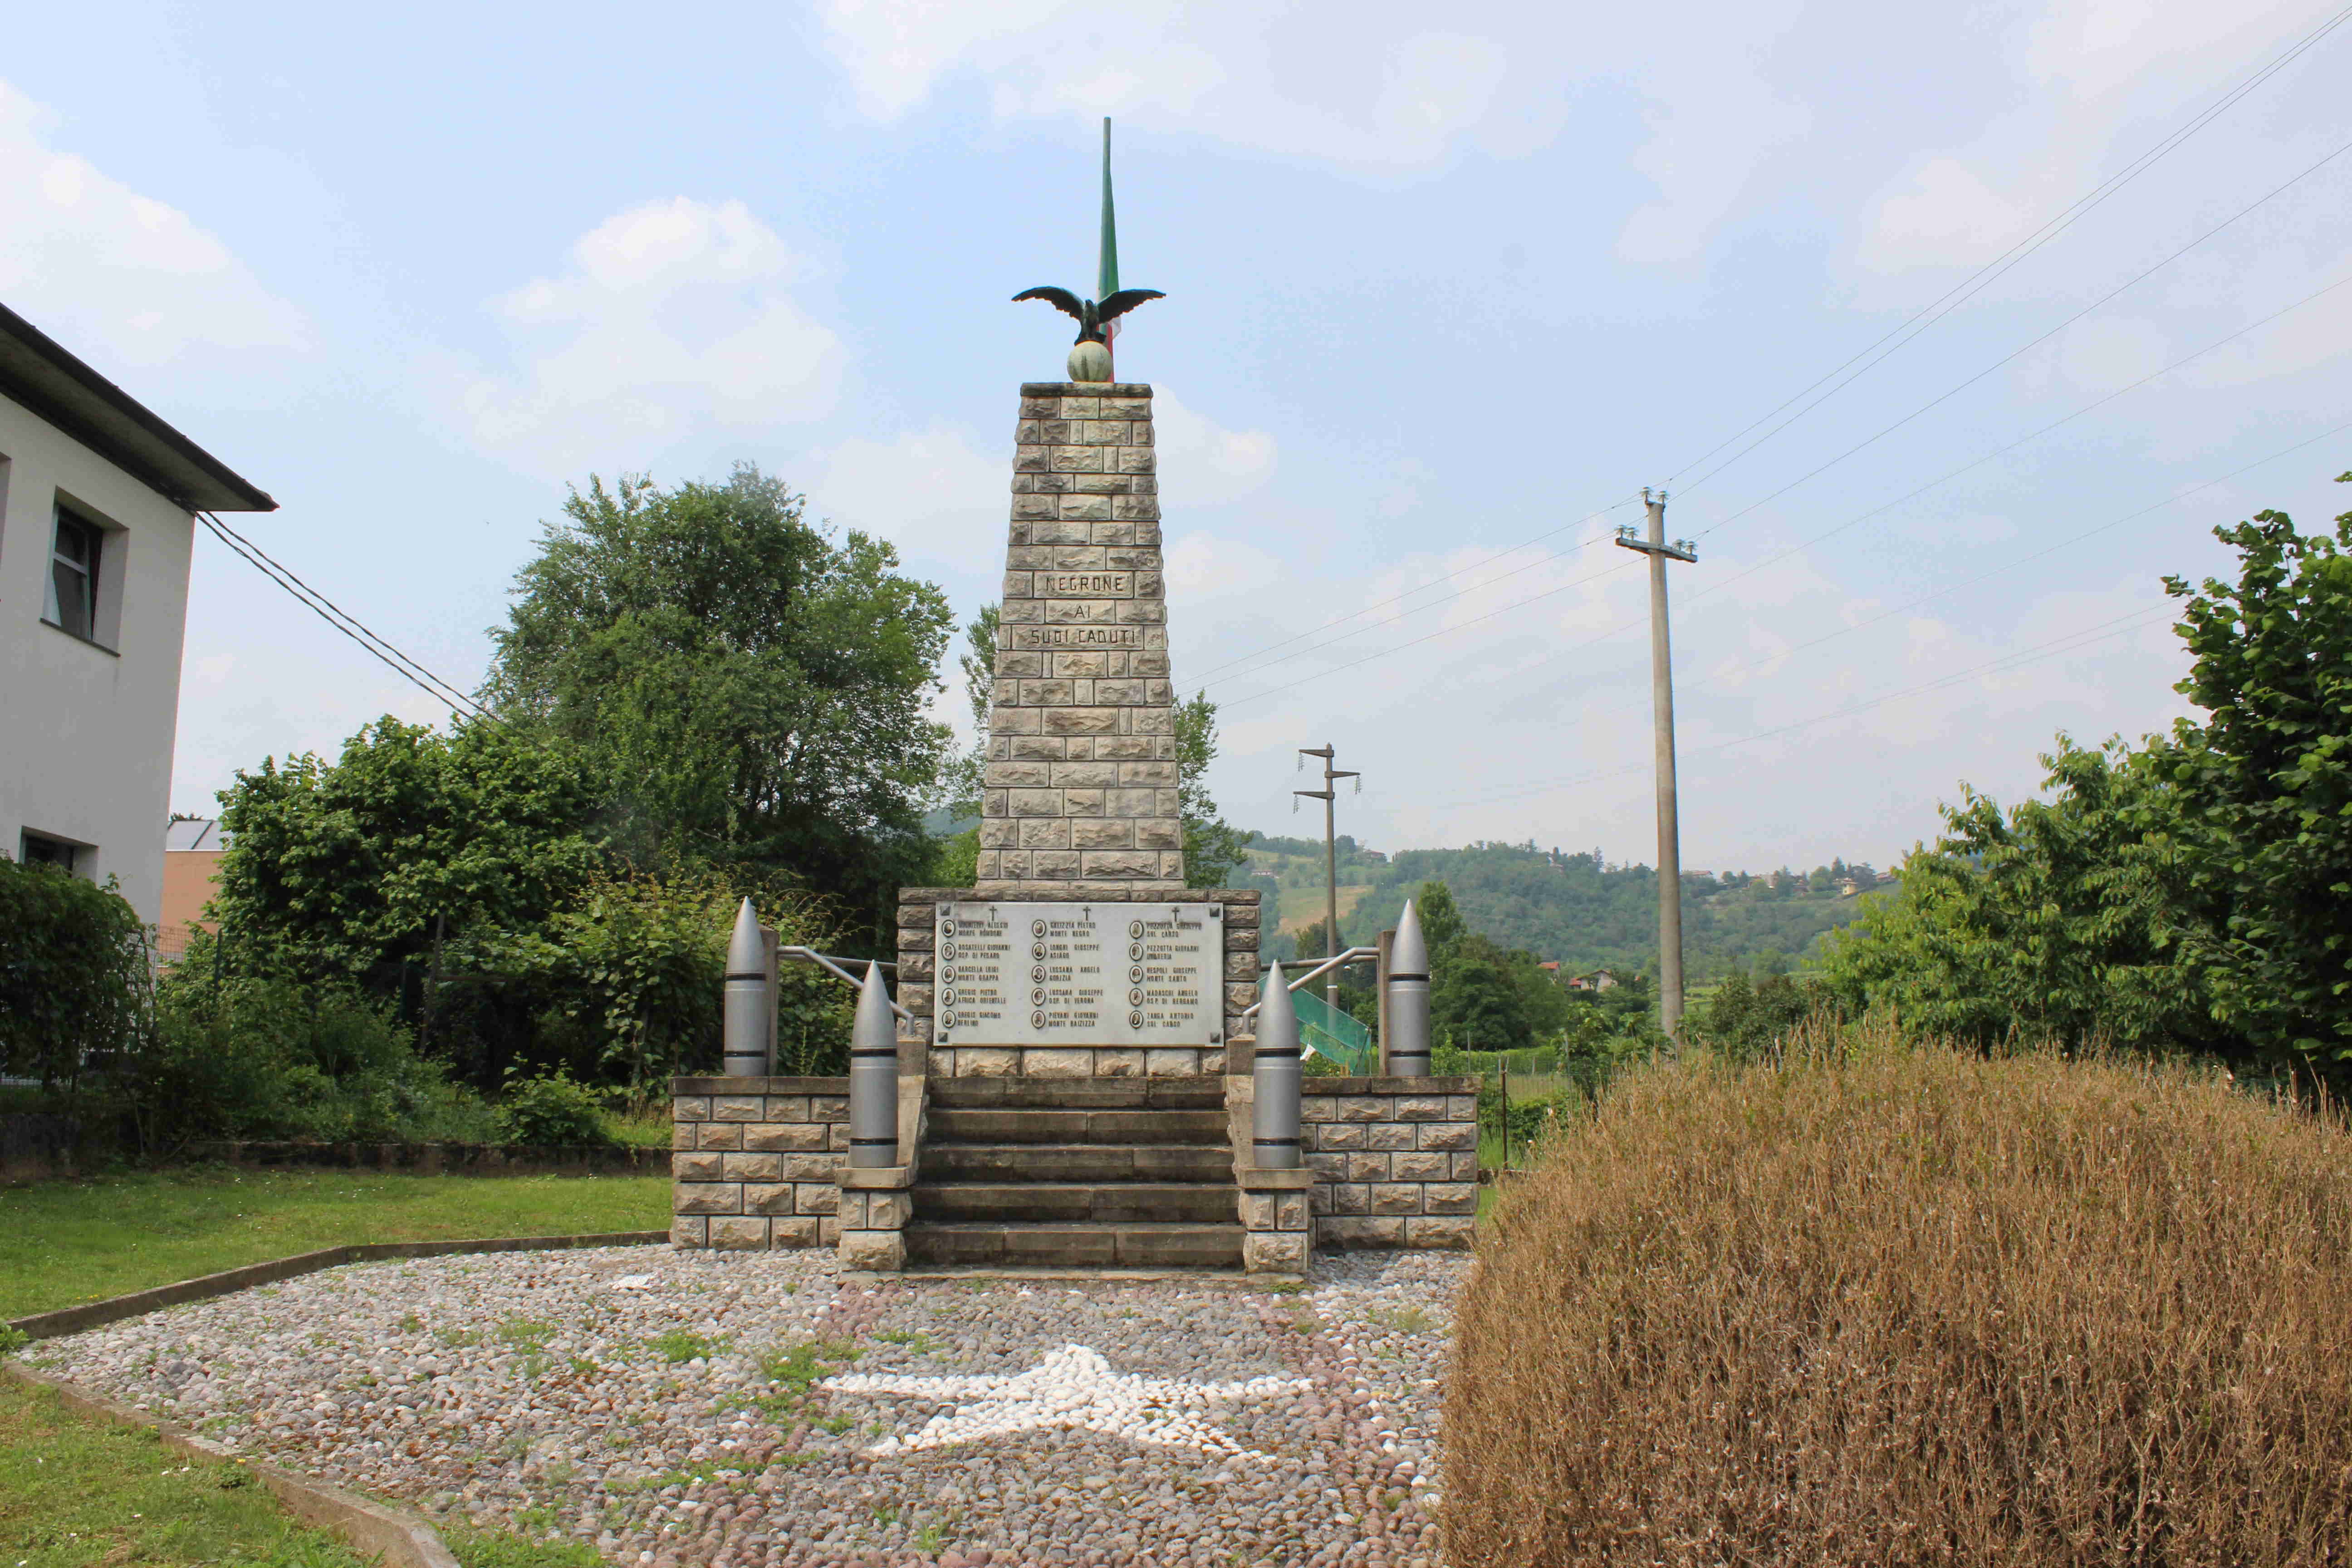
(1079, 974)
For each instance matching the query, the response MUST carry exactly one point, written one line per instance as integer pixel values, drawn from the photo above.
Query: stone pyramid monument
(1079, 796)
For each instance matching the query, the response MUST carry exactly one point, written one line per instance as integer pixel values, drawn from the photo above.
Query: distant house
(1598, 980)
(191, 852)
(1847, 887)
(98, 504)
(1550, 963)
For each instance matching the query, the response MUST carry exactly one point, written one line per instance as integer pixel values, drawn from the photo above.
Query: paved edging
(395, 1537)
(138, 1303)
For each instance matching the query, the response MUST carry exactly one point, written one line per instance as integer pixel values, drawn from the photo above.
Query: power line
(399, 663)
(1954, 392)
(1851, 522)
(1540, 787)
(2017, 659)
(1926, 317)
(1985, 276)
(1399, 598)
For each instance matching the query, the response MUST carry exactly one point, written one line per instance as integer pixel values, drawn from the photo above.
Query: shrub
(73, 974)
(1913, 1305)
(552, 1112)
(261, 1058)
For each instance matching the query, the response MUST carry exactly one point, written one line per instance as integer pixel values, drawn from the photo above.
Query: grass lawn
(62, 1243)
(75, 1490)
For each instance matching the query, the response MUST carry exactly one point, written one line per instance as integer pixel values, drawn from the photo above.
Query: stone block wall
(1395, 1159)
(917, 971)
(1079, 786)
(755, 1163)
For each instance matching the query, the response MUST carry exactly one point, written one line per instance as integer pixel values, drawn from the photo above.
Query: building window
(72, 604)
(40, 850)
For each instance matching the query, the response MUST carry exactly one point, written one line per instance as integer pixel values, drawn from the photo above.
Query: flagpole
(1106, 271)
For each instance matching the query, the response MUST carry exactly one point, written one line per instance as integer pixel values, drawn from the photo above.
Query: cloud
(672, 320)
(1371, 85)
(1203, 566)
(1201, 463)
(1712, 124)
(931, 492)
(1944, 216)
(111, 273)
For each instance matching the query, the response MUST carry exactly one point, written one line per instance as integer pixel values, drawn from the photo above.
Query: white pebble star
(1071, 1389)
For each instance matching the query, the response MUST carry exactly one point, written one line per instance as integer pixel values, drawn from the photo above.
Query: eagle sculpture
(1090, 315)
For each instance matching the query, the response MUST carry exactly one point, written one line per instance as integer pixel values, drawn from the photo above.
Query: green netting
(1334, 1035)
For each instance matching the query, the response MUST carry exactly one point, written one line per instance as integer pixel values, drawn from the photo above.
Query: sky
(1442, 300)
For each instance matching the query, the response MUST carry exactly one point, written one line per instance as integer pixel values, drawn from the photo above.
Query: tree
(74, 968)
(1213, 847)
(351, 869)
(744, 686)
(2260, 896)
(978, 662)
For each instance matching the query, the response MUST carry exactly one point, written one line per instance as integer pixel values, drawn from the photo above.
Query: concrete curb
(114, 1308)
(393, 1536)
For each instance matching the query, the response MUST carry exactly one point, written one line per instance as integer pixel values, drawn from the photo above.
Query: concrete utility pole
(1661, 700)
(1329, 796)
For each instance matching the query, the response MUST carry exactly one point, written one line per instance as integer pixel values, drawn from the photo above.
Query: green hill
(1569, 907)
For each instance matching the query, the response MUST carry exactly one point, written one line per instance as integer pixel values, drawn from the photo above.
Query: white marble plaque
(1079, 974)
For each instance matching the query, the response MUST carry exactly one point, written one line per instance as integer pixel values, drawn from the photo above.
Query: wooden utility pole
(1662, 701)
(1329, 796)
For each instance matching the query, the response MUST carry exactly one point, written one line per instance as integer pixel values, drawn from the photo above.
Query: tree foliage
(73, 972)
(2192, 892)
(1213, 847)
(743, 686)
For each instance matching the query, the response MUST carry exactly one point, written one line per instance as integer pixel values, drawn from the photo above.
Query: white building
(98, 504)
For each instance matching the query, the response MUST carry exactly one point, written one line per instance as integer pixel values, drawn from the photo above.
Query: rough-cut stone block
(1086, 776)
(1448, 1134)
(738, 1107)
(1361, 1231)
(1081, 720)
(1272, 1252)
(1290, 1211)
(1388, 1135)
(1257, 1210)
(1420, 1108)
(815, 1197)
(1367, 1167)
(689, 1230)
(828, 1108)
(1331, 1167)
(750, 1167)
(1396, 1197)
(1172, 1062)
(767, 1197)
(1337, 1134)
(1118, 1064)
(1101, 833)
(1447, 1232)
(1159, 833)
(1428, 1167)
(874, 1251)
(1461, 1108)
(817, 1166)
(1119, 863)
(695, 1167)
(888, 1210)
(1465, 1167)
(853, 1211)
(719, 1134)
(1057, 1063)
(1361, 1108)
(690, 1107)
(987, 1063)
(681, 1134)
(800, 1230)
(1451, 1197)
(706, 1197)
(740, 1232)
(1055, 863)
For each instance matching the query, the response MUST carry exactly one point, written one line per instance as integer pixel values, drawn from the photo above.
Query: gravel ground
(677, 1408)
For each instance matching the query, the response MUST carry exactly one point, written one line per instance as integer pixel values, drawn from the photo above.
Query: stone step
(1038, 1124)
(1076, 1163)
(1082, 1094)
(1103, 1203)
(1078, 1246)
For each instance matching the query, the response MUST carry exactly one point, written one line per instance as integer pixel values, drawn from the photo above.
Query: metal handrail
(1353, 955)
(828, 961)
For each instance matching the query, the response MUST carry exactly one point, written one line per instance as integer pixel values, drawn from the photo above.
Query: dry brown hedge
(1913, 1306)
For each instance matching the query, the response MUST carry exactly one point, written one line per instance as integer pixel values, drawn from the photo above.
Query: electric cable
(1976, 282)
(349, 625)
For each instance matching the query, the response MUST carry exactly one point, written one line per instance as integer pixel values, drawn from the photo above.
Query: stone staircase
(1076, 1173)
